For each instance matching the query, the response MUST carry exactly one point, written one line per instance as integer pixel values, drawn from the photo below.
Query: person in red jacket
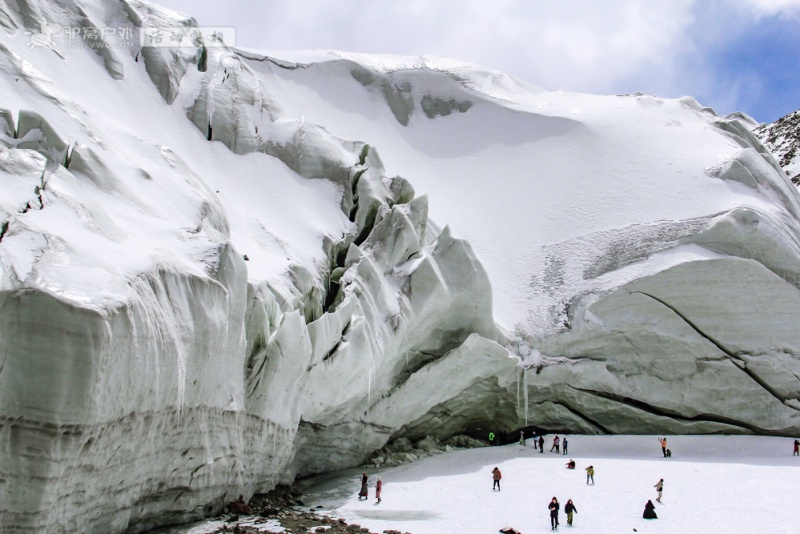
(496, 476)
(378, 485)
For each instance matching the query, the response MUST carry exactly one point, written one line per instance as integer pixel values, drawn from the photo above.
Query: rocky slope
(217, 274)
(782, 138)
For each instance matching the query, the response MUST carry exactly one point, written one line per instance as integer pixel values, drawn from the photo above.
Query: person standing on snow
(570, 509)
(378, 486)
(796, 448)
(553, 507)
(496, 476)
(663, 446)
(491, 438)
(364, 493)
(564, 446)
(522, 437)
(541, 444)
(659, 488)
(590, 474)
(556, 441)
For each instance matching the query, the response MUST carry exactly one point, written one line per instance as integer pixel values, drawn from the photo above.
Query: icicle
(369, 386)
(525, 385)
(273, 427)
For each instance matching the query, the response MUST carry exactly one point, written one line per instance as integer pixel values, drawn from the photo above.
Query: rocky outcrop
(782, 137)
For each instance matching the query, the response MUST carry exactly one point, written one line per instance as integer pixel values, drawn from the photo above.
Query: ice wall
(208, 286)
(149, 375)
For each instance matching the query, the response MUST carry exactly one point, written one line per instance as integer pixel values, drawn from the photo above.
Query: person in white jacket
(659, 488)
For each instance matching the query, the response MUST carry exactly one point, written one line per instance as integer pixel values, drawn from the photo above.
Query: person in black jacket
(364, 493)
(541, 444)
(553, 507)
(570, 509)
(649, 511)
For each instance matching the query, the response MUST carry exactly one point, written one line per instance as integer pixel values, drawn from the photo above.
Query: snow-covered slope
(218, 270)
(782, 137)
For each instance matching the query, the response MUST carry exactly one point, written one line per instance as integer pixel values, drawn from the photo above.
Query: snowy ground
(732, 484)
(711, 484)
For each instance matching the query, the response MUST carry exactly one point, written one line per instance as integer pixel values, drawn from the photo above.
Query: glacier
(222, 269)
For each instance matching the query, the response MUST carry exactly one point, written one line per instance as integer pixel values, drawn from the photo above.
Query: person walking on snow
(663, 446)
(378, 486)
(570, 509)
(796, 448)
(496, 476)
(364, 492)
(659, 488)
(590, 474)
(541, 444)
(553, 507)
(564, 446)
(556, 441)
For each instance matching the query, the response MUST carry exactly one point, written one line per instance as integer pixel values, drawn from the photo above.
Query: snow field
(711, 484)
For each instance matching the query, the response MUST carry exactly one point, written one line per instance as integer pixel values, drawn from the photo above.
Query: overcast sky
(732, 55)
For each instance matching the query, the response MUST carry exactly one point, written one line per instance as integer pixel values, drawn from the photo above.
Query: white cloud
(570, 44)
(787, 8)
(660, 46)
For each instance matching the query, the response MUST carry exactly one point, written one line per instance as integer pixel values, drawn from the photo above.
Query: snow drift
(219, 271)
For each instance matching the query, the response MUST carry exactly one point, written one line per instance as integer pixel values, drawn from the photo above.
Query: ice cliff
(218, 270)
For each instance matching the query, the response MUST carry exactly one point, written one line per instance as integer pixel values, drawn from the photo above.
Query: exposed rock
(782, 138)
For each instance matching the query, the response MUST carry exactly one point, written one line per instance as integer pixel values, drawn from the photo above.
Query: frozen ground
(711, 484)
